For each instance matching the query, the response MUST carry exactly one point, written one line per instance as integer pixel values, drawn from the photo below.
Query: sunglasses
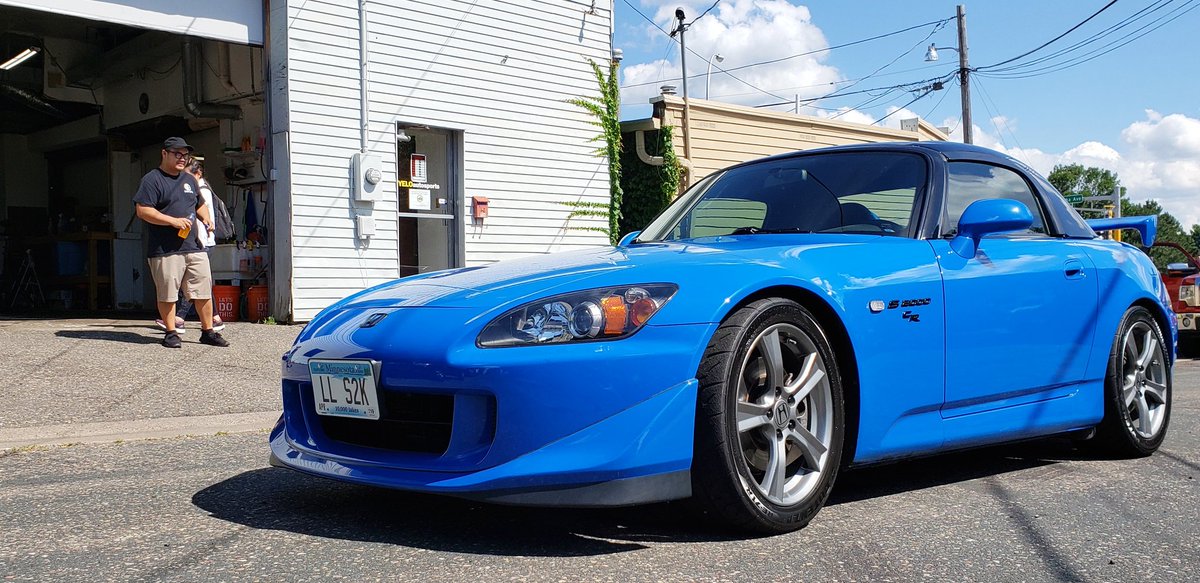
(178, 153)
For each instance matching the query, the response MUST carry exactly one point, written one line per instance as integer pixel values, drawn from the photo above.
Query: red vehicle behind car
(1180, 279)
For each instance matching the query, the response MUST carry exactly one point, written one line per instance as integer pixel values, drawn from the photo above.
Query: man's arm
(153, 216)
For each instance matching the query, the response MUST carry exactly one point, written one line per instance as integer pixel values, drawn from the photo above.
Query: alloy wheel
(784, 414)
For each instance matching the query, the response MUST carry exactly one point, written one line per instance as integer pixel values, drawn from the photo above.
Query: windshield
(844, 192)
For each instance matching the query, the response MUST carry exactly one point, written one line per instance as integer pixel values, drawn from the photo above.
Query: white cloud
(743, 32)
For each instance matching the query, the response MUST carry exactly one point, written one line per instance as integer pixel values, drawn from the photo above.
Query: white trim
(236, 21)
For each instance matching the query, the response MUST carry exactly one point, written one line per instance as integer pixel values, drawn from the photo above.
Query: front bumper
(588, 424)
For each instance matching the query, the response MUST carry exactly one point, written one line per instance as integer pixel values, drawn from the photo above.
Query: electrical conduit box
(367, 173)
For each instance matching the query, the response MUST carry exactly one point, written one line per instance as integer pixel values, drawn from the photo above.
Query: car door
(1020, 314)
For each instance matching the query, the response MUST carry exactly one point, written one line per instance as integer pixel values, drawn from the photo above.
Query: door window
(968, 182)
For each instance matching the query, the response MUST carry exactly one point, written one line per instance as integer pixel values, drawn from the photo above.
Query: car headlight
(1187, 293)
(606, 313)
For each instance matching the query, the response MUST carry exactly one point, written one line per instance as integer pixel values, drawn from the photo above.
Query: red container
(226, 302)
(258, 303)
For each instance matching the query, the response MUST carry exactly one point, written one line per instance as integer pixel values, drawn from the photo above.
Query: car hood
(537, 276)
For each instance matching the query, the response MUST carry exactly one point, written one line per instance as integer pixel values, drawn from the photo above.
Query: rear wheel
(770, 421)
(1137, 388)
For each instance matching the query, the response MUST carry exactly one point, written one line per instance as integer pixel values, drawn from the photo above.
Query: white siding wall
(499, 71)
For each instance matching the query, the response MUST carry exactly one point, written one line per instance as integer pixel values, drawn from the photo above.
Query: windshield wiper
(758, 231)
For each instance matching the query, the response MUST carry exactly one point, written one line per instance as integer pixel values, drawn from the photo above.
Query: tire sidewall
(773, 312)
(1116, 409)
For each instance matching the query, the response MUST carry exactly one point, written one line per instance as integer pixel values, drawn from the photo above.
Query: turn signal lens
(641, 311)
(598, 314)
(614, 315)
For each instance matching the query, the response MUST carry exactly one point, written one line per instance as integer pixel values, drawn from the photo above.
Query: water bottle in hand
(184, 232)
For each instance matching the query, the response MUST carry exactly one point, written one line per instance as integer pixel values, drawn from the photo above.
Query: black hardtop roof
(946, 149)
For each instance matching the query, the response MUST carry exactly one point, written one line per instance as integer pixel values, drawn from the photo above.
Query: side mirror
(628, 238)
(985, 217)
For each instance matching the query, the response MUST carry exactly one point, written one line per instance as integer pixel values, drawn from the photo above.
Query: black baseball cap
(176, 144)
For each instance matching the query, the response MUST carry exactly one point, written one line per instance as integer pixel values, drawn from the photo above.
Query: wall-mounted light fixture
(21, 57)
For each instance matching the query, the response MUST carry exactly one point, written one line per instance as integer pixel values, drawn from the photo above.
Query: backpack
(222, 222)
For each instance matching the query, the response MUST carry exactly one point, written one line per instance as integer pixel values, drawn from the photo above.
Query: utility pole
(687, 134)
(964, 70)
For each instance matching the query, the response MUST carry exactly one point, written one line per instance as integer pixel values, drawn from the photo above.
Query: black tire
(730, 478)
(1137, 389)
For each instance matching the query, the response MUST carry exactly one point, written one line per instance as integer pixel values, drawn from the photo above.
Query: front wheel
(770, 420)
(1137, 388)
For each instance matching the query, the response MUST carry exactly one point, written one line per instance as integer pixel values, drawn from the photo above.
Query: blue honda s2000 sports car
(783, 319)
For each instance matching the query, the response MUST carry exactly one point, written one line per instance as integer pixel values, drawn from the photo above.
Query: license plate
(344, 388)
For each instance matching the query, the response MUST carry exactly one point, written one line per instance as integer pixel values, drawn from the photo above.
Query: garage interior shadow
(282, 499)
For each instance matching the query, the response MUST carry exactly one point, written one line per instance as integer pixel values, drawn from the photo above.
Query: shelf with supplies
(246, 182)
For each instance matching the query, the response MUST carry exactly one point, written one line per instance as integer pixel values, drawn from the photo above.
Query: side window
(721, 216)
(968, 182)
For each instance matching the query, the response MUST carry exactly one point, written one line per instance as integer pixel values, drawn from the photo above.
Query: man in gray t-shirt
(168, 200)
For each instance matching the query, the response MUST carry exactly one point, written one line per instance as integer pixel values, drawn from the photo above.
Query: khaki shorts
(188, 272)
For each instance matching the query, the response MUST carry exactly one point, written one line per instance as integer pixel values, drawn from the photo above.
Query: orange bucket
(225, 302)
(258, 303)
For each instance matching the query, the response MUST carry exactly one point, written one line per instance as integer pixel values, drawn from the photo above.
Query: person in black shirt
(169, 201)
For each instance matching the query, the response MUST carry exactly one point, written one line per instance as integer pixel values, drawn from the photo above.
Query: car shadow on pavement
(952, 468)
(111, 336)
(281, 499)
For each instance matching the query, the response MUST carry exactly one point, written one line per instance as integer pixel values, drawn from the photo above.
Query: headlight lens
(604, 313)
(1187, 293)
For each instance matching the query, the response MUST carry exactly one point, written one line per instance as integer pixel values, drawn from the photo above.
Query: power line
(913, 86)
(902, 107)
(936, 28)
(1047, 43)
(842, 82)
(939, 102)
(1133, 18)
(781, 59)
(1162, 21)
(734, 77)
(702, 14)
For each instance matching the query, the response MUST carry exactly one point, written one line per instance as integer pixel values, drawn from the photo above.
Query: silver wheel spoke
(751, 415)
(808, 378)
(769, 348)
(776, 472)
(1150, 347)
(1143, 414)
(1129, 391)
(810, 447)
(1155, 390)
(1131, 353)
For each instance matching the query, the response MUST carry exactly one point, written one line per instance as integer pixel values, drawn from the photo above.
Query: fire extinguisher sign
(418, 169)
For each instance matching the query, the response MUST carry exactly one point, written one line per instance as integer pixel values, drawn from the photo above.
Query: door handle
(1073, 269)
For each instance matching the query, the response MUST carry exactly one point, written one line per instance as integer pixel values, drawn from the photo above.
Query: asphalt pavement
(193, 504)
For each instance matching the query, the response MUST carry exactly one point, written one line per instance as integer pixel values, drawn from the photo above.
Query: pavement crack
(149, 382)
(194, 557)
(58, 355)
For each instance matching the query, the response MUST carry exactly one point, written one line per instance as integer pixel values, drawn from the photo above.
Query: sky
(1121, 91)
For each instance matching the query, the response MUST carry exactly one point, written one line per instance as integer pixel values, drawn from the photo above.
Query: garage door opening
(82, 118)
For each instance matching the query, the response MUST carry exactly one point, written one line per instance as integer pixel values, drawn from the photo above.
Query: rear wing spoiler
(1146, 226)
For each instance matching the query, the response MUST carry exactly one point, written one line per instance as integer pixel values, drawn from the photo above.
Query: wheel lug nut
(792, 424)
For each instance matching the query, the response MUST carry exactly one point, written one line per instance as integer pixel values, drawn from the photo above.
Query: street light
(964, 82)
(708, 76)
